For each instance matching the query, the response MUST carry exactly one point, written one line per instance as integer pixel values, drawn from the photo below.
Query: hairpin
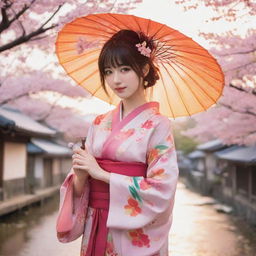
(143, 49)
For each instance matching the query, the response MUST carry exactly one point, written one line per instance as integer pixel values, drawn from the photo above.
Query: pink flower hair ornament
(143, 49)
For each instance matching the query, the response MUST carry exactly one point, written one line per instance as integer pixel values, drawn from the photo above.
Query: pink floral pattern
(148, 124)
(98, 120)
(138, 238)
(125, 134)
(133, 217)
(110, 250)
(132, 208)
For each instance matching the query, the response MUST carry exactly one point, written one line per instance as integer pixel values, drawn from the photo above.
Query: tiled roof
(22, 122)
(196, 154)
(212, 145)
(239, 154)
(51, 148)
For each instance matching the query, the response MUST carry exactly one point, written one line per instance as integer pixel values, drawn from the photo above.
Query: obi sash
(99, 200)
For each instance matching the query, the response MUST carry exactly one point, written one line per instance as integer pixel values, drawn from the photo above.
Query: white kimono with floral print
(140, 210)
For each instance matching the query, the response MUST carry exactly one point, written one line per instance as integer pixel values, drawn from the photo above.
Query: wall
(14, 169)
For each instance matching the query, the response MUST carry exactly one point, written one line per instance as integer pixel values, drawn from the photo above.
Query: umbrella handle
(83, 144)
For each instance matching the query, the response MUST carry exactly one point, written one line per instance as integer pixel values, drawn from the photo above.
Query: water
(196, 231)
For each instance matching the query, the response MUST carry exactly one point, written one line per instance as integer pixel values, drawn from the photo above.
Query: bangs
(116, 56)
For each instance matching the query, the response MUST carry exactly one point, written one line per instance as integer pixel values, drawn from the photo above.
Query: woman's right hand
(81, 175)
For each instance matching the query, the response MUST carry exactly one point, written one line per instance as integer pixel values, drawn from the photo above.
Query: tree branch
(26, 38)
(52, 16)
(20, 23)
(242, 89)
(236, 110)
(51, 108)
(12, 99)
(237, 53)
(242, 66)
(6, 24)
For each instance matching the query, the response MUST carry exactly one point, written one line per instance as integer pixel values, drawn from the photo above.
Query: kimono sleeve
(72, 210)
(137, 201)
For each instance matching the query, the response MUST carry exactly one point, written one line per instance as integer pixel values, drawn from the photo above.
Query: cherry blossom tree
(29, 27)
(35, 20)
(233, 119)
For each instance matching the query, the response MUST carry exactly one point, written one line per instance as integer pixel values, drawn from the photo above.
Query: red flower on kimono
(139, 238)
(153, 153)
(132, 208)
(129, 132)
(157, 174)
(98, 119)
(110, 249)
(147, 125)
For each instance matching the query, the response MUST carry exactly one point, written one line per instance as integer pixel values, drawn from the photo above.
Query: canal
(198, 230)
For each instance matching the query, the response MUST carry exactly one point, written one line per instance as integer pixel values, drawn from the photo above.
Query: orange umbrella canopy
(190, 81)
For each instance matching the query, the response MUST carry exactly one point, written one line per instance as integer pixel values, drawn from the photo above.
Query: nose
(116, 78)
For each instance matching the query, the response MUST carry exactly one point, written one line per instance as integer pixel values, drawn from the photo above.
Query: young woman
(120, 192)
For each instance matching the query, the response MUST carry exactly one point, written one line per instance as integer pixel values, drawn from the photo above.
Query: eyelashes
(124, 69)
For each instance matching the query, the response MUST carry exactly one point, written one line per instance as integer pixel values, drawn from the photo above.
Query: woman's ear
(145, 70)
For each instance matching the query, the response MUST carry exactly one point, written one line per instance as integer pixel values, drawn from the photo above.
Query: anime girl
(120, 192)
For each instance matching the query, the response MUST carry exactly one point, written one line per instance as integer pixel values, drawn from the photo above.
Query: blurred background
(42, 110)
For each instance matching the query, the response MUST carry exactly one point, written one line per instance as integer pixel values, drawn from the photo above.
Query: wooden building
(16, 131)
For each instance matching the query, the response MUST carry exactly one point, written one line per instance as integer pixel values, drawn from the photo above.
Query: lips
(120, 89)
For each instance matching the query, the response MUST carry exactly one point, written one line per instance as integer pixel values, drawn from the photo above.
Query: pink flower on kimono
(152, 154)
(129, 132)
(157, 174)
(125, 134)
(110, 249)
(147, 125)
(139, 238)
(132, 208)
(149, 183)
(156, 152)
(98, 119)
(144, 184)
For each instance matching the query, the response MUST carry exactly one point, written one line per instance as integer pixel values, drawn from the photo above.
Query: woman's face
(123, 80)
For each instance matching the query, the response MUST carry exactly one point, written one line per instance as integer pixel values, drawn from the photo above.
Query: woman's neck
(130, 105)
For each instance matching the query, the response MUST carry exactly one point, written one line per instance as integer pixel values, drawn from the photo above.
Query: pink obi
(99, 200)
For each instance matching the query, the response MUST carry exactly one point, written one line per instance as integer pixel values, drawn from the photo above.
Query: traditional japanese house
(16, 130)
(210, 164)
(238, 172)
(50, 162)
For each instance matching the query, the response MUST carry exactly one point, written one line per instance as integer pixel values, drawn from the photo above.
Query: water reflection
(32, 233)
(198, 230)
(201, 231)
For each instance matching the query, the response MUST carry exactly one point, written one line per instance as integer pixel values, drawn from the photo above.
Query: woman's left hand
(83, 160)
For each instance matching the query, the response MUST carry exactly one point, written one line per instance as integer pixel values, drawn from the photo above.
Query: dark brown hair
(121, 49)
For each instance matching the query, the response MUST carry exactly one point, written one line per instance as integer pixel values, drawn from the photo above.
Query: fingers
(80, 151)
(78, 162)
(74, 156)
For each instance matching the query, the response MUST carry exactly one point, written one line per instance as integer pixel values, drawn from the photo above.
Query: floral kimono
(140, 208)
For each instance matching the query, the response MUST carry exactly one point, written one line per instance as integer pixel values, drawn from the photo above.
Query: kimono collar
(148, 105)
